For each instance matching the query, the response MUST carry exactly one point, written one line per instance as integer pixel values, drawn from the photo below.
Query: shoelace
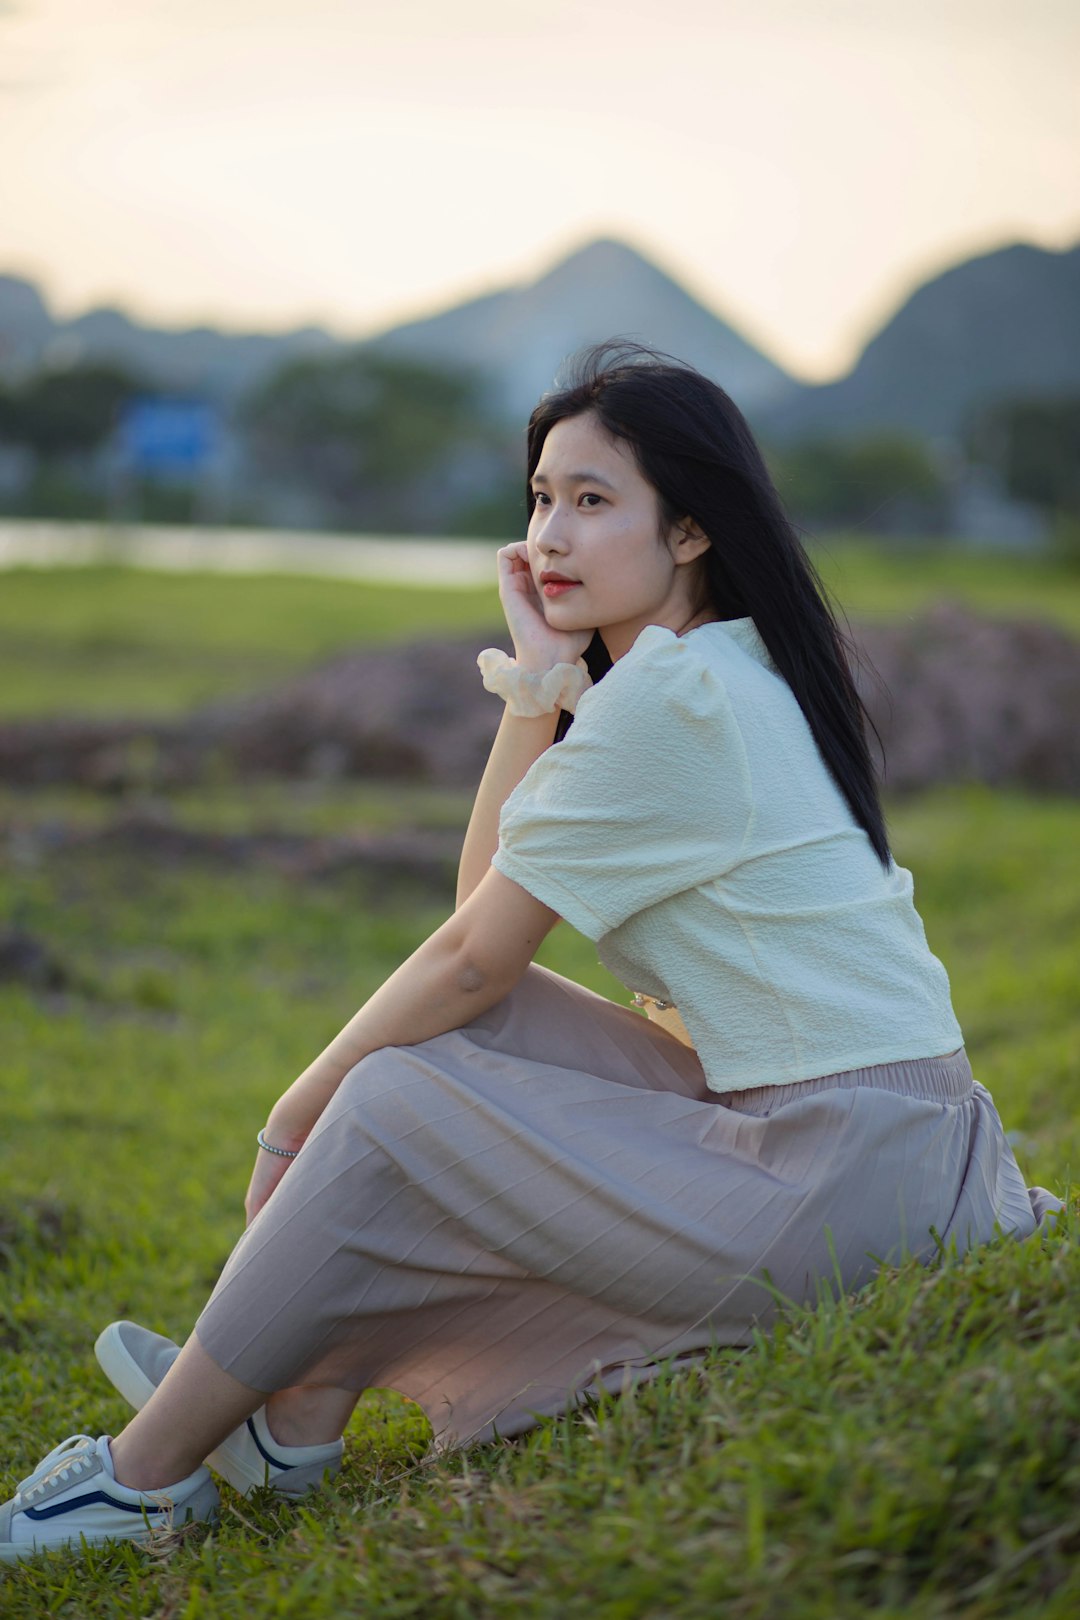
(70, 1456)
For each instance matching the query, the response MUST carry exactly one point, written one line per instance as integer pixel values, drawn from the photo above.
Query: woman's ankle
(140, 1473)
(309, 1414)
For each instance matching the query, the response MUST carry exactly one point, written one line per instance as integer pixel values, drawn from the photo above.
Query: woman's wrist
(271, 1147)
(294, 1115)
(288, 1135)
(537, 663)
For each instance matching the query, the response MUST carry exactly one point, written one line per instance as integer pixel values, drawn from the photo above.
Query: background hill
(516, 337)
(199, 359)
(521, 335)
(1004, 324)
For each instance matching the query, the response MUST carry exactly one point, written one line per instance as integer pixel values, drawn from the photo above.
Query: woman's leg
(303, 1416)
(369, 1179)
(192, 1410)
(309, 1414)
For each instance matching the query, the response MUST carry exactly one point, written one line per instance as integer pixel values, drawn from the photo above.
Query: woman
(495, 1189)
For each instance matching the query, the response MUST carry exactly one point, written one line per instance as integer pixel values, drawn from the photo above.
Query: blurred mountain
(517, 337)
(1004, 324)
(200, 359)
(25, 327)
(520, 336)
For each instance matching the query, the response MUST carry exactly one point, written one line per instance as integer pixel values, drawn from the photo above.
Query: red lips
(553, 584)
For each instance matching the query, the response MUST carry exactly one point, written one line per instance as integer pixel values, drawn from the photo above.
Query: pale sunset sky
(799, 164)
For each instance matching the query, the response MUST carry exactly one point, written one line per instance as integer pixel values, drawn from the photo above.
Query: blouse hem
(946, 1047)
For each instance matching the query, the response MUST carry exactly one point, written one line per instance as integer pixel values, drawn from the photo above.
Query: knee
(384, 1094)
(374, 1077)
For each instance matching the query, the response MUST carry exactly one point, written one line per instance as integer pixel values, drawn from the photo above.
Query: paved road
(453, 563)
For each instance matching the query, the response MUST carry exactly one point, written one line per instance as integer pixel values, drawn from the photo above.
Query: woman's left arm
(465, 967)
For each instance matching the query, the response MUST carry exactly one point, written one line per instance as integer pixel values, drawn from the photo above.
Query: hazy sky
(799, 164)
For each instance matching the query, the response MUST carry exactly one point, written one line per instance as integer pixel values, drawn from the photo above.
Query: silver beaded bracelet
(283, 1153)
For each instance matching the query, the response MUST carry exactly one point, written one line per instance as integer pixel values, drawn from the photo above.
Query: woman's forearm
(440, 987)
(518, 744)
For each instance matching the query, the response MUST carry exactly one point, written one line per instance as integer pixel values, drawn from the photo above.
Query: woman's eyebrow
(577, 478)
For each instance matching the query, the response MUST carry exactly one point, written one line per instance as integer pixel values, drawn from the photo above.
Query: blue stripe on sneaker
(84, 1501)
(274, 1462)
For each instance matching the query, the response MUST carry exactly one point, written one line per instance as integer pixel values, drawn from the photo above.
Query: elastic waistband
(938, 1079)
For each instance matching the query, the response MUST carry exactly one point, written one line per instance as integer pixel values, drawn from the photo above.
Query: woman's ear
(690, 541)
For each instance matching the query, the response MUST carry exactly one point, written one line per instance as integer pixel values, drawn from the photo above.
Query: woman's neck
(706, 616)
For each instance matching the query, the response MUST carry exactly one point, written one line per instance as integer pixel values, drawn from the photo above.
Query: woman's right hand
(536, 645)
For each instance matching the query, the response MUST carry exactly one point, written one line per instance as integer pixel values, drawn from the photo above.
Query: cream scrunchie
(533, 692)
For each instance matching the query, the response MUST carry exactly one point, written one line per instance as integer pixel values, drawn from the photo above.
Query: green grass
(893, 581)
(118, 640)
(911, 1451)
(298, 805)
(127, 641)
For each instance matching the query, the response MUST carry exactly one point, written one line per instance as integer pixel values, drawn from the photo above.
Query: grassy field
(910, 1451)
(884, 582)
(117, 640)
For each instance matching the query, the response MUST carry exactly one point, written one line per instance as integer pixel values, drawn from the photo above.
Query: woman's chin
(561, 616)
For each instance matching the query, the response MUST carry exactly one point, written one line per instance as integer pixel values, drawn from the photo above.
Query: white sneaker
(135, 1361)
(73, 1497)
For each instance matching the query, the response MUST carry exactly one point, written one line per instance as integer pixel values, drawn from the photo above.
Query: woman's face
(598, 556)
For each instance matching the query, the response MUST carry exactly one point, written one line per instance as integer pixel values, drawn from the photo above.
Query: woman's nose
(552, 536)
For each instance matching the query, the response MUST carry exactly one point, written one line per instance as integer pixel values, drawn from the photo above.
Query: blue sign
(168, 435)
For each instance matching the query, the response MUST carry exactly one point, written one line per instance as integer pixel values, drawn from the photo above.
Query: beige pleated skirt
(551, 1199)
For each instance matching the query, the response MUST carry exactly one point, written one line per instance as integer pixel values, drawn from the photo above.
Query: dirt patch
(426, 857)
(26, 959)
(974, 699)
(967, 699)
(37, 1225)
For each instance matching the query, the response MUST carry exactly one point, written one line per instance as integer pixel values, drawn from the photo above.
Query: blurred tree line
(887, 483)
(390, 445)
(58, 413)
(361, 442)
(1035, 443)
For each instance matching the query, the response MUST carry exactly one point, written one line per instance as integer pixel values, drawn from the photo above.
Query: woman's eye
(542, 499)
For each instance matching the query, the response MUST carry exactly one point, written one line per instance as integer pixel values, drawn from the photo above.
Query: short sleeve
(647, 795)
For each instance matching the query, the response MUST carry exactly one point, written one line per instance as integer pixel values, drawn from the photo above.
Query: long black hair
(694, 446)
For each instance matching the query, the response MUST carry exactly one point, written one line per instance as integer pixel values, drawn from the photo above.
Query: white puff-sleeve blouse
(688, 824)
